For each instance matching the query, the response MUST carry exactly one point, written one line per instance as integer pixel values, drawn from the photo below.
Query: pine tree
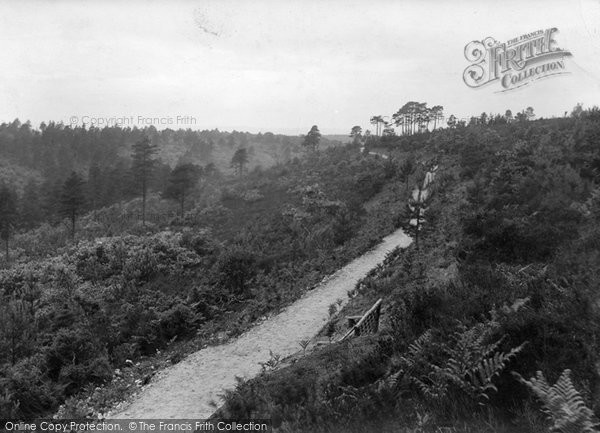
(72, 199)
(181, 180)
(239, 160)
(142, 167)
(377, 121)
(356, 134)
(312, 139)
(438, 114)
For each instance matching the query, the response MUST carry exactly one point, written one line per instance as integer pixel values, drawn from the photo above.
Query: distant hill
(338, 137)
(102, 157)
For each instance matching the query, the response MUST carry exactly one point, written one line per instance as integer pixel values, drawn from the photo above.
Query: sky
(276, 65)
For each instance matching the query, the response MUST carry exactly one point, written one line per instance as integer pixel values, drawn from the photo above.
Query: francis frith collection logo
(515, 63)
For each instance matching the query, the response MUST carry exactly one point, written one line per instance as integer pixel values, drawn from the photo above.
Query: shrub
(234, 269)
(26, 391)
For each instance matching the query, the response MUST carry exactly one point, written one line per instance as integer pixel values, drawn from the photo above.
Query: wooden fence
(367, 323)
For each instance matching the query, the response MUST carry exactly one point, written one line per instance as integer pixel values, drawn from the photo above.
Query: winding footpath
(186, 390)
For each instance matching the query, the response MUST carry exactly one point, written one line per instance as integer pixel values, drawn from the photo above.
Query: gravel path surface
(186, 389)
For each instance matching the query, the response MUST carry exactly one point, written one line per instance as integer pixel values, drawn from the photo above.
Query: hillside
(189, 389)
(502, 285)
(300, 217)
(76, 312)
(37, 161)
(499, 283)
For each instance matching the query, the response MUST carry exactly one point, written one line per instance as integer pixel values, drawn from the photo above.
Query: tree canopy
(72, 199)
(312, 139)
(239, 160)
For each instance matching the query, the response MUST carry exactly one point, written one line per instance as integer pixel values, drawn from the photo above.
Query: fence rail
(368, 323)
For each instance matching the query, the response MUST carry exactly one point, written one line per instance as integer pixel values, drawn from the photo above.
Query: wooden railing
(367, 323)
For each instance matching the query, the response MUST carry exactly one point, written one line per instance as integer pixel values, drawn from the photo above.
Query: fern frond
(469, 366)
(563, 403)
(488, 350)
(418, 346)
(390, 382)
(434, 391)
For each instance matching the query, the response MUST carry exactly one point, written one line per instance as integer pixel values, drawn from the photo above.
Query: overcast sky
(278, 66)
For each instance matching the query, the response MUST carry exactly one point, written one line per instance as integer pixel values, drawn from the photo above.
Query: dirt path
(186, 389)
